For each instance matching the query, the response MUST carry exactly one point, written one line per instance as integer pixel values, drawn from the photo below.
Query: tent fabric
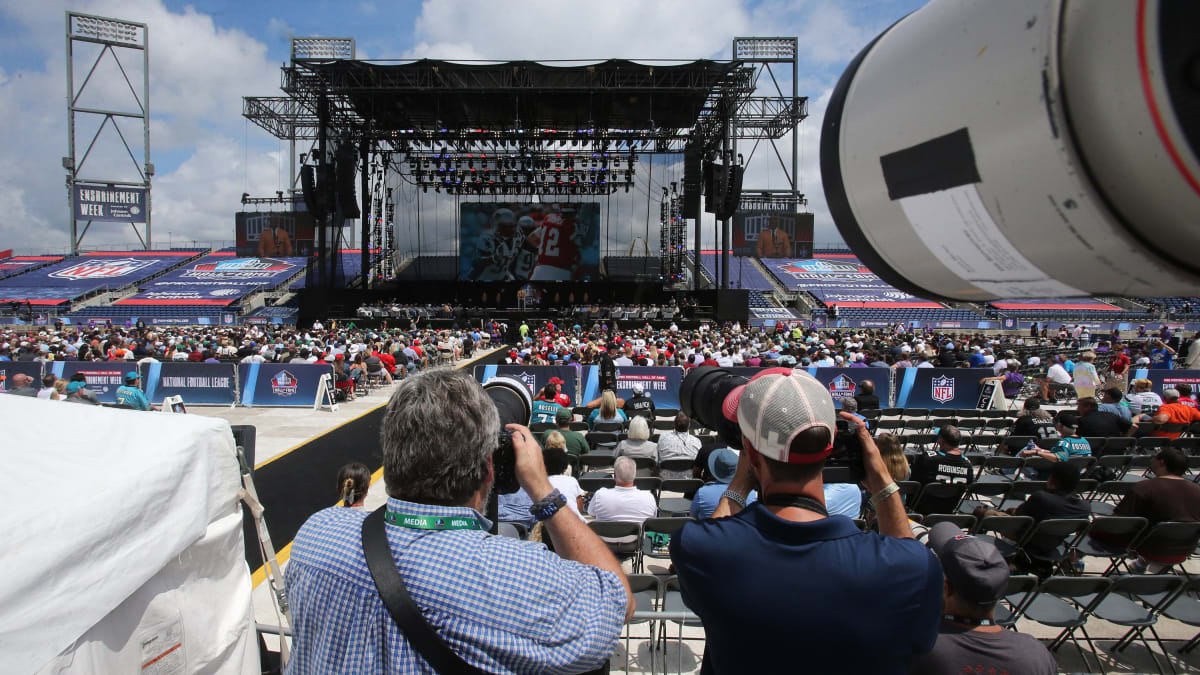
(120, 523)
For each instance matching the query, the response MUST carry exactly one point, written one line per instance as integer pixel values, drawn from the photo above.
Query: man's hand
(531, 471)
(893, 520)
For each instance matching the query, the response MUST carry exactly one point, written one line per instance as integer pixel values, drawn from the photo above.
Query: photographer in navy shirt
(781, 586)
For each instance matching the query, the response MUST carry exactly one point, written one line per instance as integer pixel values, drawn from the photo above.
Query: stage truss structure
(423, 118)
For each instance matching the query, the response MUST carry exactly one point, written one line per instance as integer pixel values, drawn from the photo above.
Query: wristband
(734, 497)
(548, 506)
(883, 494)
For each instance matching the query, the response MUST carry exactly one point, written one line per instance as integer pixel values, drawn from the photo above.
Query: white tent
(123, 548)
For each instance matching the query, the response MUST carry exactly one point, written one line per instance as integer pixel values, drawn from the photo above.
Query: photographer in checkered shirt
(502, 605)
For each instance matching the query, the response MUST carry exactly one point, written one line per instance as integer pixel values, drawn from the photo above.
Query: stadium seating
(743, 273)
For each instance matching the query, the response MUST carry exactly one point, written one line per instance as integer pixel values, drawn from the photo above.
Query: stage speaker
(692, 177)
(714, 181)
(1022, 149)
(728, 204)
(732, 304)
(346, 171)
(312, 196)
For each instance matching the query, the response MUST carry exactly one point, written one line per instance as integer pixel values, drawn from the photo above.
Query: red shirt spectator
(389, 361)
(1174, 412)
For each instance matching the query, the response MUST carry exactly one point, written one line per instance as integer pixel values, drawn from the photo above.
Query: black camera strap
(799, 501)
(400, 604)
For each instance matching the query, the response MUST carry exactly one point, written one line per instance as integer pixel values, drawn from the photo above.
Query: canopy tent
(124, 545)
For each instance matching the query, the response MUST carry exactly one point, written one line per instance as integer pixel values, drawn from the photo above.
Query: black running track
(302, 482)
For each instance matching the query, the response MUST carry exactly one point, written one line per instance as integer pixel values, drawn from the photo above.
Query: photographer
(779, 585)
(501, 604)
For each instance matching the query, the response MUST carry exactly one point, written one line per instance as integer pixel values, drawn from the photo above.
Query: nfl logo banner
(940, 387)
(535, 378)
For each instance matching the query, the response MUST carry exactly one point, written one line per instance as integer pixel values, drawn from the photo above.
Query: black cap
(975, 569)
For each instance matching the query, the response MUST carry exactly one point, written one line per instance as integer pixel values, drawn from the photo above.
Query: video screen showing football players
(529, 242)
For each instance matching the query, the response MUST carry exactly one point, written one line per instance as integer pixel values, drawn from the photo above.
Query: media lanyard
(432, 522)
(798, 501)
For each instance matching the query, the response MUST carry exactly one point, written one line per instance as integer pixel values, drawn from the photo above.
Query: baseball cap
(975, 569)
(132, 376)
(722, 462)
(563, 415)
(638, 388)
(779, 404)
(555, 380)
(75, 386)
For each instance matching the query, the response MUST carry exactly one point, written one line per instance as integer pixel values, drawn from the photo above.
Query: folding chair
(983, 493)
(1185, 608)
(673, 602)
(622, 538)
(664, 425)
(647, 593)
(670, 506)
(590, 484)
(1096, 443)
(1106, 495)
(1001, 469)
(1119, 445)
(1006, 533)
(939, 498)
(1021, 589)
(1118, 464)
(539, 427)
(1169, 539)
(1150, 445)
(837, 474)
(1135, 601)
(909, 489)
(1014, 444)
(962, 520)
(1020, 491)
(891, 412)
(578, 426)
(646, 466)
(1067, 602)
(594, 460)
(615, 427)
(648, 483)
(656, 536)
(602, 439)
(915, 413)
(666, 413)
(1051, 541)
(674, 468)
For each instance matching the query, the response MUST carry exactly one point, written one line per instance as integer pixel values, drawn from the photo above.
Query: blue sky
(206, 55)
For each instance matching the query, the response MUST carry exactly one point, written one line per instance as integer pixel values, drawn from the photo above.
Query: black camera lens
(515, 406)
(702, 397)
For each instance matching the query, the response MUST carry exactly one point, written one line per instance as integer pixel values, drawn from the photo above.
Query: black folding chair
(673, 506)
(602, 440)
(647, 594)
(1051, 541)
(1185, 608)
(622, 538)
(656, 536)
(1171, 539)
(939, 498)
(962, 520)
(590, 484)
(1135, 601)
(1021, 589)
(614, 427)
(1001, 469)
(986, 494)
(1006, 533)
(1020, 491)
(1109, 537)
(1067, 602)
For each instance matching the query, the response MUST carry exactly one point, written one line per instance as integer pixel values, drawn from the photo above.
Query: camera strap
(400, 604)
(799, 501)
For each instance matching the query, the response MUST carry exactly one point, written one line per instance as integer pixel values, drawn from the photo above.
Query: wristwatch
(548, 506)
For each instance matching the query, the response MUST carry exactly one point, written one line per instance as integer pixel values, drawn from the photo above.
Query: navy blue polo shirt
(821, 597)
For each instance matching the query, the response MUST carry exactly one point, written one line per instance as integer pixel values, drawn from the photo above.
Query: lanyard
(969, 621)
(799, 501)
(432, 522)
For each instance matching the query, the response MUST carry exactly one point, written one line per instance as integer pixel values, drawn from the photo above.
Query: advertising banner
(662, 384)
(535, 377)
(840, 279)
(197, 383)
(280, 384)
(101, 203)
(217, 279)
(501, 241)
(10, 368)
(842, 383)
(1166, 379)
(102, 378)
(940, 387)
(87, 273)
(22, 263)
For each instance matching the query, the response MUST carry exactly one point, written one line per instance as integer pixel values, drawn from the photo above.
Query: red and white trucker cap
(776, 406)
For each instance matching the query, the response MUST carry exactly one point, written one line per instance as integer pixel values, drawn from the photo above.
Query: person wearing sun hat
(824, 596)
(976, 578)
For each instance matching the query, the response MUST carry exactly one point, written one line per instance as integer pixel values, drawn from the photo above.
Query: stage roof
(431, 94)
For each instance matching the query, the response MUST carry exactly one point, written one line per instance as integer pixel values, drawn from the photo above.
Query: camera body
(847, 451)
(515, 406)
(504, 462)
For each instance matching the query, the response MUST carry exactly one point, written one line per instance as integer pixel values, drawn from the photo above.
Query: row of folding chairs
(667, 506)
(658, 602)
(937, 413)
(1133, 601)
(637, 541)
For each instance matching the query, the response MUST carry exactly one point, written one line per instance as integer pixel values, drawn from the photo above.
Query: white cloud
(198, 74)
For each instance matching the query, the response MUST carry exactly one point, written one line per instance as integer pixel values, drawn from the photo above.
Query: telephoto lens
(702, 397)
(515, 405)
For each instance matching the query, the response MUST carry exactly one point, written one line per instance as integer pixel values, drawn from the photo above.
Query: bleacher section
(349, 269)
(743, 273)
(940, 315)
(88, 275)
(758, 300)
(840, 279)
(216, 280)
(19, 264)
(632, 268)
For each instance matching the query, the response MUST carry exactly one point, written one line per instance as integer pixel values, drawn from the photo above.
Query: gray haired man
(499, 603)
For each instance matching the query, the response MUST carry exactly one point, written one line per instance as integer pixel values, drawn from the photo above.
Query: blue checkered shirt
(502, 604)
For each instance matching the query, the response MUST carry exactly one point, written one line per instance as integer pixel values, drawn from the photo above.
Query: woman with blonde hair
(893, 456)
(1085, 375)
(638, 444)
(608, 410)
(558, 468)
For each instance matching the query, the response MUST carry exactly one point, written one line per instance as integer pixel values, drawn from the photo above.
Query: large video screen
(295, 236)
(501, 241)
(773, 234)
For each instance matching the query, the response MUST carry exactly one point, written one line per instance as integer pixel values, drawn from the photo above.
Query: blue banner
(536, 377)
(10, 368)
(1164, 379)
(103, 377)
(197, 383)
(842, 383)
(280, 384)
(940, 387)
(662, 384)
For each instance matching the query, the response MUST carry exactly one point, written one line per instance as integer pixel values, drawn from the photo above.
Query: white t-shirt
(623, 503)
(1058, 374)
(569, 487)
(1144, 402)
